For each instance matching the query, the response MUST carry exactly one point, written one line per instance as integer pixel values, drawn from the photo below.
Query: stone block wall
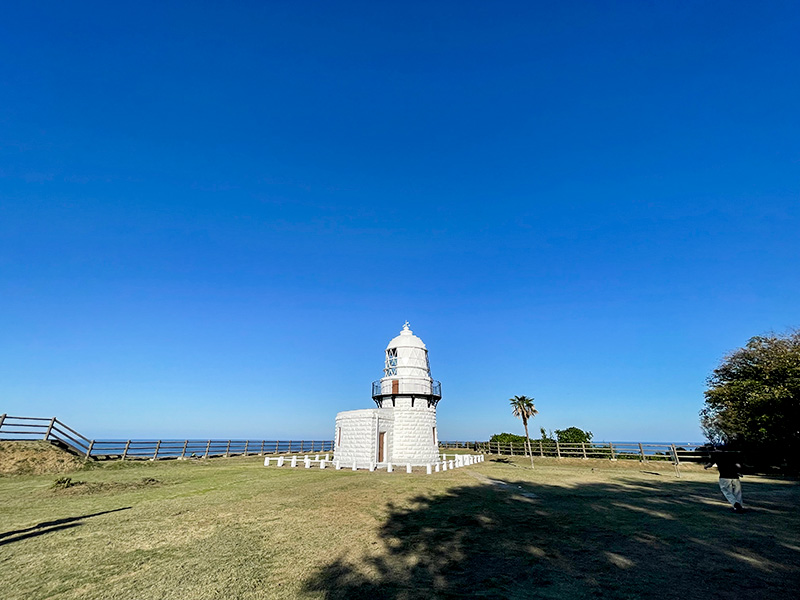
(414, 441)
(359, 436)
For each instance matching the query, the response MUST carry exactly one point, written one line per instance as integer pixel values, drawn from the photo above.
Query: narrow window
(434, 436)
(339, 436)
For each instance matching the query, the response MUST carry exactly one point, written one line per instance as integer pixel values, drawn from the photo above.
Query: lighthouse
(402, 429)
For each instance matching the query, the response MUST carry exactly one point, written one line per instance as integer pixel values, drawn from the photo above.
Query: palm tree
(523, 407)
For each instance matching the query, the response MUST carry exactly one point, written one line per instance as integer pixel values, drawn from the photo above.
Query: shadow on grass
(514, 539)
(10, 537)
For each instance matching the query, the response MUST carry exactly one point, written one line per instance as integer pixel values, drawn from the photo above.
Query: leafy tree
(523, 407)
(573, 435)
(753, 397)
(508, 438)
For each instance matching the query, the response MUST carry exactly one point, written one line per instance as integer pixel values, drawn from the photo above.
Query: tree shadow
(50, 526)
(514, 539)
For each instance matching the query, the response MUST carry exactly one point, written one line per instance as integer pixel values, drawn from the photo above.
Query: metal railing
(406, 388)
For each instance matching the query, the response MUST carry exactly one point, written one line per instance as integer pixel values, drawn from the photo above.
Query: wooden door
(395, 386)
(381, 446)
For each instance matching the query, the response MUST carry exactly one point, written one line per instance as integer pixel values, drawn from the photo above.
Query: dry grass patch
(36, 458)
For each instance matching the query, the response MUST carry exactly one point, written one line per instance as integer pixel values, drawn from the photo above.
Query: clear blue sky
(214, 216)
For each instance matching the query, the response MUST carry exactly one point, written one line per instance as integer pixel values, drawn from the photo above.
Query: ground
(232, 528)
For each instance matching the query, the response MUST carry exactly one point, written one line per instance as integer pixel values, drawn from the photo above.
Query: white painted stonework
(405, 420)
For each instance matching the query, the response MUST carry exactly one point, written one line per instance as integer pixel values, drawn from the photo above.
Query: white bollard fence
(458, 461)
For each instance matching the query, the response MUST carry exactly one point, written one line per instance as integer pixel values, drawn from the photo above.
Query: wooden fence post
(2, 418)
(125, 452)
(228, 450)
(641, 451)
(183, 452)
(541, 450)
(262, 447)
(583, 446)
(208, 448)
(89, 450)
(558, 449)
(278, 442)
(290, 446)
(511, 445)
(302, 445)
(611, 447)
(50, 428)
(676, 462)
(246, 444)
(155, 454)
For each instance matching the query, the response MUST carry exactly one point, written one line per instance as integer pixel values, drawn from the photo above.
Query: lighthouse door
(381, 446)
(395, 386)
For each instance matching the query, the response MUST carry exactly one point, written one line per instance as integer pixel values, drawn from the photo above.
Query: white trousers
(731, 489)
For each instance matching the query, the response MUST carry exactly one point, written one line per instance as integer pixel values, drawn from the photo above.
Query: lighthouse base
(378, 436)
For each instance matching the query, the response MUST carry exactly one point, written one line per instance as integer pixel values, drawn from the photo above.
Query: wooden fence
(54, 431)
(642, 451)
(58, 433)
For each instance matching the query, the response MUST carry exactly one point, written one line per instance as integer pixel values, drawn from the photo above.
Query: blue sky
(214, 217)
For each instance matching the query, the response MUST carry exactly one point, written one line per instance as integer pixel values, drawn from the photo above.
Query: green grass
(231, 528)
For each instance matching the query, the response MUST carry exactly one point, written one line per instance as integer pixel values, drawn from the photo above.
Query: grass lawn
(231, 528)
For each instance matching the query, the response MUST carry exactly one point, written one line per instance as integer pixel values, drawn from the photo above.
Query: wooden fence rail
(642, 451)
(56, 432)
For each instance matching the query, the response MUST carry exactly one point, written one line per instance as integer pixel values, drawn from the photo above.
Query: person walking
(729, 466)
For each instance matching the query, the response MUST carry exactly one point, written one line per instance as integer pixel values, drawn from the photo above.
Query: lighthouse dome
(406, 339)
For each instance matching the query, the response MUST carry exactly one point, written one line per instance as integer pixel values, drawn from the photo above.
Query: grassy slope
(230, 528)
(35, 457)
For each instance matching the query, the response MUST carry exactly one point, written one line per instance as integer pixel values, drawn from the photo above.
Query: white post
(428, 469)
(316, 458)
(294, 461)
(338, 465)
(327, 457)
(322, 464)
(308, 462)
(408, 468)
(389, 467)
(354, 465)
(280, 461)
(444, 465)
(371, 467)
(266, 462)
(452, 463)
(437, 467)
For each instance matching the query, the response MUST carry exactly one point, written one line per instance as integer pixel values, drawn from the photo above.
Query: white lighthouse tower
(402, 429)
